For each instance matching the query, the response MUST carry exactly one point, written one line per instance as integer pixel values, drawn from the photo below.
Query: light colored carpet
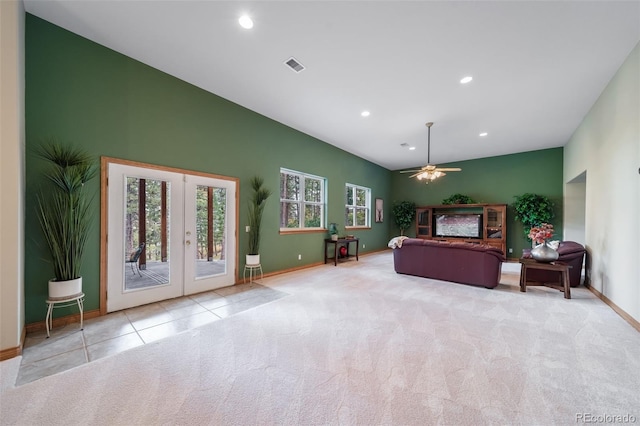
(358, 344)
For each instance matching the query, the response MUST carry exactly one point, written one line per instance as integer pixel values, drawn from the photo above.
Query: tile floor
(69, 346)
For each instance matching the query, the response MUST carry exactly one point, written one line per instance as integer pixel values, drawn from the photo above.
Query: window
(302, 200)
(357, 206)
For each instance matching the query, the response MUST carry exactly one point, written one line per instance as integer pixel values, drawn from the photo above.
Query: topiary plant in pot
(404, 212)
(64, 214)
(256, 208)
(532, 210)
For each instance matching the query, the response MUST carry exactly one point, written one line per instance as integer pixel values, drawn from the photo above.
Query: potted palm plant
(63, 213)
(256, 208)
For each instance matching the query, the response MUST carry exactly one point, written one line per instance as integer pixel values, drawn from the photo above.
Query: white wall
(575, 205)
(607, 146)
(12, 18)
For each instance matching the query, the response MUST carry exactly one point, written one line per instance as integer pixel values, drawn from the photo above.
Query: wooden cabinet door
(423, 223)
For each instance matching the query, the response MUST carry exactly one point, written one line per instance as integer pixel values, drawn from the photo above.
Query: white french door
(185, 225)
(210, 219)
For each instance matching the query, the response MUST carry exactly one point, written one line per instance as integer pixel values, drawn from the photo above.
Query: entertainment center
(472, 223)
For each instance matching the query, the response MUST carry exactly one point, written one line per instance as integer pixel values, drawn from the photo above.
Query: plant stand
(253, 269)
(64, 302)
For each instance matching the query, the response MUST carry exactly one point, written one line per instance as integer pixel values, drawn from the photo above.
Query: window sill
(357, 227)
(289, 231)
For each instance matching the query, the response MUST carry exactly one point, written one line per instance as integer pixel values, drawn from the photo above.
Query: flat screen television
(459, 225)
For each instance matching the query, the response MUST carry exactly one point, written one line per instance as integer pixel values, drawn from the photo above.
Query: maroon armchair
(569, 252)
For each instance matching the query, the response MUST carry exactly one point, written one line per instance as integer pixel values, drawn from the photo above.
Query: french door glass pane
(210, 231)
(147, 228)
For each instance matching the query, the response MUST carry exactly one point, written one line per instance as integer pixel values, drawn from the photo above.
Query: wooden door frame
(104, 204)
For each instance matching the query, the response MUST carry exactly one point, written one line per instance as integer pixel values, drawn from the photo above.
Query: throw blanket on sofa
(396, 242)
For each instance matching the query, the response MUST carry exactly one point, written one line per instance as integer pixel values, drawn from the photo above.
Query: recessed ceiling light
(412, 148)
(466, 80)
(246, 22)
(365, 113)
(483, 134)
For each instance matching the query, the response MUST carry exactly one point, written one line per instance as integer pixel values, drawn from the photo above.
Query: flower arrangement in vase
(541, 234)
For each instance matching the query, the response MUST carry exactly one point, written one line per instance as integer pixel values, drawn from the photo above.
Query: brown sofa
(569, 252)
(460, 262)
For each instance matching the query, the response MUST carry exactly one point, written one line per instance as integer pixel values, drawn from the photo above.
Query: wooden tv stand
(494, 223)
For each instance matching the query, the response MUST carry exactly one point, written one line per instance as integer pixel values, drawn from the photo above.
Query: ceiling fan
(430, 171)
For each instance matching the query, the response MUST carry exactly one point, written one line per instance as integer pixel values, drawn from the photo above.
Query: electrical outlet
(364, 245)
(246, 228)
(299, 257)
(510, 250)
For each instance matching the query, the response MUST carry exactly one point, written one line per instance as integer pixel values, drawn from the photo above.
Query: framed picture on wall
(379, 210)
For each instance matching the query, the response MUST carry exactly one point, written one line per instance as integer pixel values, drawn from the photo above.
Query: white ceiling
(537, 66)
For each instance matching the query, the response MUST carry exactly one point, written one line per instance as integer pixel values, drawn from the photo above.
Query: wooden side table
(336, 244)
(561, 268)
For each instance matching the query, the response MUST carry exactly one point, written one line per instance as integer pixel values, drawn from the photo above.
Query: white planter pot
(334, 237)
(64, 289)
(253, 259)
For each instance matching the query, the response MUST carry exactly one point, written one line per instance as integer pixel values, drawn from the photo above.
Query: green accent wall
(80, 92)
(494, 180)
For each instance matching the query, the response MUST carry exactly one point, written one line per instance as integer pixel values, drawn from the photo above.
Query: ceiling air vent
(294, 64)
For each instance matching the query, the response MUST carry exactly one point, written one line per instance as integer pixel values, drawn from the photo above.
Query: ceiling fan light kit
(430, 172)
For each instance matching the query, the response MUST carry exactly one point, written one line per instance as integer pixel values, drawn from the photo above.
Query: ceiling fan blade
(415, 174)
(409, 171)
(449, 169)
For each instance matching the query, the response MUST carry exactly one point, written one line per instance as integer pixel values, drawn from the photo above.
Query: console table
(561, 268)
(337, 243)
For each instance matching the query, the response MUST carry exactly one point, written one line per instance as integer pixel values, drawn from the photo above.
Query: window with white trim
(357, 206)
(302, 200)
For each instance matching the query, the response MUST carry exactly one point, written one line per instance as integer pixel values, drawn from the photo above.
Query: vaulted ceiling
(537, 66)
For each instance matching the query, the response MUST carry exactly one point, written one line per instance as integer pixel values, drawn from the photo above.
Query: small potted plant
(333, 231)
(256, 208)
(64, 214)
